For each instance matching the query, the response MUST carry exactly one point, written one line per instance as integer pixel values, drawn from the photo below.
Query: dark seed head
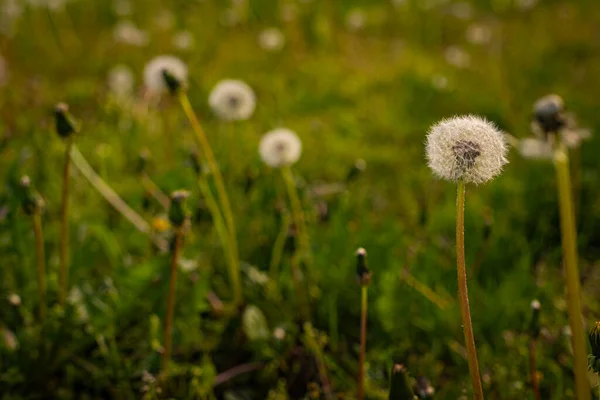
(549, 113)
(466, 152)
(64, 122)
(362, 269)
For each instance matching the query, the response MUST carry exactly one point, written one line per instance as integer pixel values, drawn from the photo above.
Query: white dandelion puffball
(280, 147)
(154, 73)
(467, 148)
(271, 39)
(128, 33)
(120, 81)
(232, 100)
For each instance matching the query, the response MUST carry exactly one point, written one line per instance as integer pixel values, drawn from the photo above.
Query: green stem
(297, 211)
(41, 266)
(206, 149)
(107, 192)
(570, 262)
(171, 299)
(464, 295)
(278, 248)
(63, 276)
(363, 342)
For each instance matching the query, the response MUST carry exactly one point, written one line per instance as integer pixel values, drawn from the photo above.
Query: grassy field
(360, 82)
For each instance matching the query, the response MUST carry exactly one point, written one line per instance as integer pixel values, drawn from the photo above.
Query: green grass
(349, 95)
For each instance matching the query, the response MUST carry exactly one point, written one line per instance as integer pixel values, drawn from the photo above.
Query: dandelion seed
(183, 40)
(126, 32)
(466, 148)
(232, 100)
(280, 147)
(120, 81)
(154, 73)
(271, 39)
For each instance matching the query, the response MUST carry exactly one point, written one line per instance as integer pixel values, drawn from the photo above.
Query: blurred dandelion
(183, 40)
(478, 34)
(127, 32)
(120, 81)
(356, 20)
(123, 8)
(461, 10)
(466, 148)
(457, 57)
(271, 40)
(280, 147)
(232, 100)
(158, 67)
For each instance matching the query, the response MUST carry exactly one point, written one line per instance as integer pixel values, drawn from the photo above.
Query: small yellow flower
(160, 224)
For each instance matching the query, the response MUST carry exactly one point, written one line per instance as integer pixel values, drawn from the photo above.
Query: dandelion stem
(41, 267)
(63, 276)
(533, 370)
(570, 262)
(171, 299)
(297, 212)
(107, 192)
(463, 293)
(206, 149)
(363, 342)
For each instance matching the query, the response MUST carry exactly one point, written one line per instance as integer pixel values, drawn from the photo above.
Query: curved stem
(464, 295)
(206, 149)
(171, 299)
(570, 262)
(533, 371)
(41, 266)
(363, 342)
(63, 274)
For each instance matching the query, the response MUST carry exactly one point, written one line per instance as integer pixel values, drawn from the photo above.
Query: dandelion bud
(549, 113)
(178, 213)
(65, 124)
(165, 73)
(534, 324)
(594, 358)
(400, 388)
(466, 148)
(142, 161)
(358, 168)
(31, 201)
(362, 270)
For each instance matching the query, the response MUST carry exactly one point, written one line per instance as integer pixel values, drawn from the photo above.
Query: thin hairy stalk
(107, 192)
(41, 266)
(171, 300)
(63, 273)
(363, 341)
(155, 191)
(232, 260)
(570, 262)
(297, 211)
(206, 149)
(464, 295)
(533, 370)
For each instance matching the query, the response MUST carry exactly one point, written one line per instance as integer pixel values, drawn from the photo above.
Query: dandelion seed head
(280, 147)
(232, 100)
(128, 33)
(154, 73)
(183, 40)
(467, 148)
(120, 81)
(271, 39)
(549, 113)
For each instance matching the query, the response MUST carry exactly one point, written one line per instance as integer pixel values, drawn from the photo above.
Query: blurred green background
(355, 80)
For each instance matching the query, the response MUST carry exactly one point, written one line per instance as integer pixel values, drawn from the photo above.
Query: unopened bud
(362, 270)
(534, 324)
(178, 213)
(400, 388)
(31, 201)
(65, 124)
(549, 113)
(358, 168)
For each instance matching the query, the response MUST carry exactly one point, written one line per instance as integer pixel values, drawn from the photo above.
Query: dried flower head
(31, 201)
(400, 387)
(232, 100)
(467, 148)
(549, 113)
(280, 147)
(64, 121)
(162, 72)
(362, 269)
(534, 323)
(178, 212)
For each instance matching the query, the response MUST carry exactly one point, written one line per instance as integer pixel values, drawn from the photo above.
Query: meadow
(194, 259)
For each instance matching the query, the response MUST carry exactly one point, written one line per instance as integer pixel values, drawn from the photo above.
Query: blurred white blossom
(232, 100)
(458, 57)
(356, 20)
(121, 81)
(271, 39)
(126, 32)
(478, 34)
(280, 147)
(183, 40)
